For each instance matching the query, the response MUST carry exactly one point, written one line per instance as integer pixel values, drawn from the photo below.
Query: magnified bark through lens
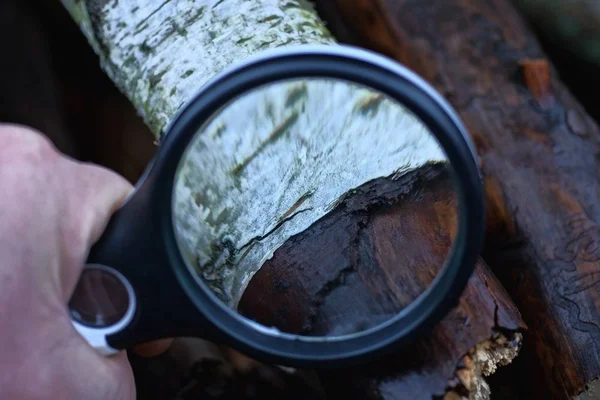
(288, 157)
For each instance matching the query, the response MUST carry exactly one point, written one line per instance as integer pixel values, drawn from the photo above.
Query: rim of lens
(202, 129)
(403, 86)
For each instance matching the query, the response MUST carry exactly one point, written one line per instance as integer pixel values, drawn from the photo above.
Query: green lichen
(244, 40)
(195, 16)
(220, 130)
(141, 28)
(179, 29)
(270, 111)
(370, 104)
(270, 18)
(266, 44)
(296, 95)
(170, 32)
(187, 73)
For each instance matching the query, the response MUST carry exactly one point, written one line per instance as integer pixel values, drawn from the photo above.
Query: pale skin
(52, 210)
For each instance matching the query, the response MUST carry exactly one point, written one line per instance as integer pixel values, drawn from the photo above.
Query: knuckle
(23, 144)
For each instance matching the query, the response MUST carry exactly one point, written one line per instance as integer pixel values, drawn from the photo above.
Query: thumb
(93, 194)
(97, 193)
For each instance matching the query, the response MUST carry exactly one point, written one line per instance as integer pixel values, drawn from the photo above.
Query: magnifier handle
(128, 293)
(104, 301)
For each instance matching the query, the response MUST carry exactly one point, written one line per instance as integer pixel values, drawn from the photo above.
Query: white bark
(160, 52)
(273, 163)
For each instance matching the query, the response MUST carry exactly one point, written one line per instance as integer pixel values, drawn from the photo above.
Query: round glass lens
(318, 207)
(100, 298)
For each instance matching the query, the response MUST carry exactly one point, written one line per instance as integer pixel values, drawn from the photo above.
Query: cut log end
(592, 391)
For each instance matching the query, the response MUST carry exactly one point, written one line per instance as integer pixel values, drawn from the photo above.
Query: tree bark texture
(160, 53)
(540, 155)
(342, 274)
(305, 145)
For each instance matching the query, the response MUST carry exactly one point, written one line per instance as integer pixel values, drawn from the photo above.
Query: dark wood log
(540, 156)
(465, 365)
(344, 271)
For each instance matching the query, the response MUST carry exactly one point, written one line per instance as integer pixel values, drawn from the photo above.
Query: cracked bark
(539, 153)
(313, 287)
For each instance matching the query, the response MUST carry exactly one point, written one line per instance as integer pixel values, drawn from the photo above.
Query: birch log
(160, 53)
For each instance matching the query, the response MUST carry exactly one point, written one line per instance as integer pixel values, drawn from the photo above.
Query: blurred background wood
(572, 25)
(50, 80)
(569, 32)
(540, 156)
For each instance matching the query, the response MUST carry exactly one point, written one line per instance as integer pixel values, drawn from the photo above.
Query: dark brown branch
(541, 165)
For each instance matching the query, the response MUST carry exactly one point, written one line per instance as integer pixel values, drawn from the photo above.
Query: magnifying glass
(262, 153)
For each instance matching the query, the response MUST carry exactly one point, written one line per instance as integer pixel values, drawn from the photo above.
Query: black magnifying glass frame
(172, 301)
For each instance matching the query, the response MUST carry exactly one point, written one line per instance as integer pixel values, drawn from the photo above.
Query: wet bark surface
(362, 263)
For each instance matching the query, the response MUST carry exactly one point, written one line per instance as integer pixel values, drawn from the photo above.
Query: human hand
(52, 210)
